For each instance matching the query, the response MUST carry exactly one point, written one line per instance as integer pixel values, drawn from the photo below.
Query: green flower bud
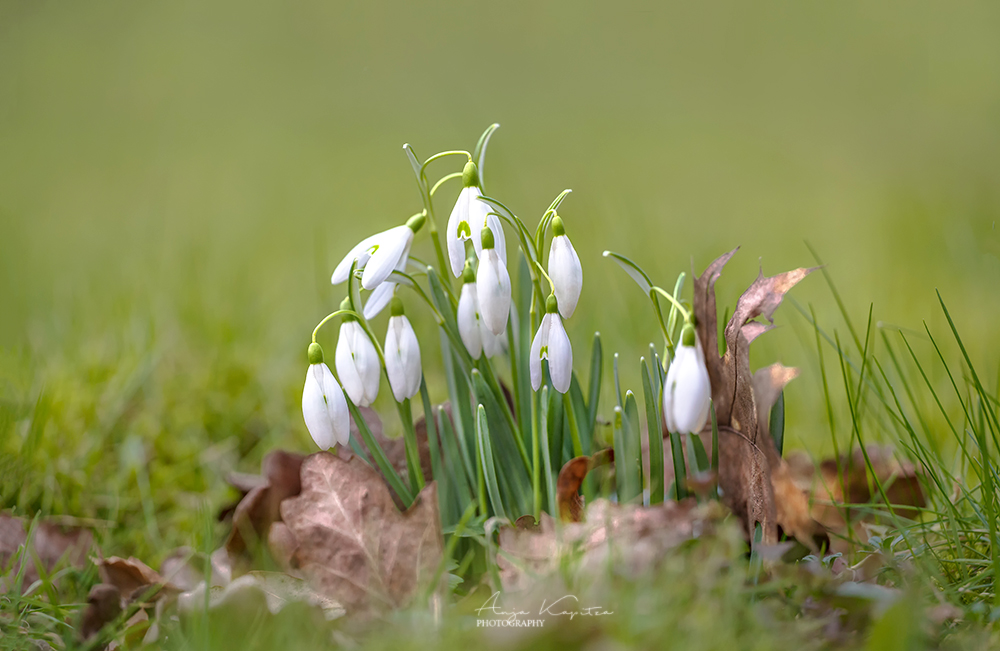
(468, 275)
(470, 175)
(687, 335)
(487, 238)
(551, 305)
(557, 226)
(396, 306)
(416, 222)
(315, 353)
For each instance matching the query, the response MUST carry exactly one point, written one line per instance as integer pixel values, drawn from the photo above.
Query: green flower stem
(677, 305)
(412, 450)
(442, 180)
(536, 474)
(486, 369)
(390, 474)
(439, 155)
(574, 429)
(332, 315)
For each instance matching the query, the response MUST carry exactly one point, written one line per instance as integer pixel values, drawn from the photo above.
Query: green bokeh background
(178, 180)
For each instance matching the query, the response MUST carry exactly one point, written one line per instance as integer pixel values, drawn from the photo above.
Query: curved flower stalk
(471, 328)
(468, 219)
(565, 270)
(357, 362)
(402, 355)
(323, 405)
(552, 343)
(380, 255)
(493, 286)
(687, 391)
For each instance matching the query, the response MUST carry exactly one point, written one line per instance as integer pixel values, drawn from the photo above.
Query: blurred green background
(178, 180)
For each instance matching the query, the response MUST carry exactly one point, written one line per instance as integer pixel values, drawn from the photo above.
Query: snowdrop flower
(402, 355)
(471, 327)
(687, 391)
(380, 255)
(564, 269)
(552, 343)
(357, 363)
(323, 405)
(468, 219)
(492, 286)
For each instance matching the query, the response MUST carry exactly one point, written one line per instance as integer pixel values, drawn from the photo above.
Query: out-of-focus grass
(177, 181)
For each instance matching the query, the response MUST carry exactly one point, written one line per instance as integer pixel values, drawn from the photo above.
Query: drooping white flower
(687, 391)
(380, 255)
(323, 405)
(565, 269)
(357, 363)
(552, 343)
(492, 286)
(402, 355)
(471, 327)
(468, 219)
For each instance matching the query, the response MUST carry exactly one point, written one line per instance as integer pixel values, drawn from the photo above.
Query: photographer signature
(565, 606)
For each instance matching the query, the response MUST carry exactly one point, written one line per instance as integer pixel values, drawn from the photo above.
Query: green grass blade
(776, 422)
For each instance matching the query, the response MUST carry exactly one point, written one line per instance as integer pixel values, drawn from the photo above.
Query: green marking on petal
(464, 230)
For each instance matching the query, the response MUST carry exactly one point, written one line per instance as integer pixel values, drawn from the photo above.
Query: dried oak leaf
(394, 448)
(756, 482)
(829, 488)
(259, 508)
(636, 538)
(51, 543)
(354, 545)
(571, 478)
(103, 606)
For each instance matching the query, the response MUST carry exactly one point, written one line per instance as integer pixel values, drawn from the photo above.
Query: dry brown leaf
(354, 545)
(51, 542)
(259, 508)
(756, 483)
(636, 537)
(850, 485)
(571, 478)
(131, 576)
(103, 606)
(394, 448)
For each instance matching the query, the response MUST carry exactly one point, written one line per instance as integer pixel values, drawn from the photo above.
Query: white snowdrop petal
(409, 352)
(336, 406)
(459, 215)
(378, 299)
(668, 397)
(535, 355)
(368, 365)
(560, 355)
(346, 367)
(386, 258)
(566, 273)
(493, 291)
(314, 410)
(477, 219)
(498, 239)
(393, 363)
(468, 320)
(360, 251)
(492, 345)
(692, 392)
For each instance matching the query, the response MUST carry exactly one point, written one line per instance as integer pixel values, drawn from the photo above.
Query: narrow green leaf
(655, 433)
(479, 153)
(594, 391)
(390, 474)
(634, 271)
(680, 472)
(550, 481)
(486, 460)
(631, 465)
